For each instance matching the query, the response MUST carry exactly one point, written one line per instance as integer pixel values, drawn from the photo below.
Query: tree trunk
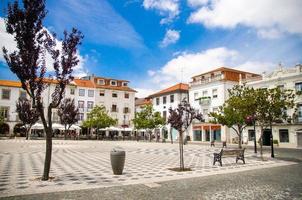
(272, 142)
(181, 152)
(26, 134)
(171, 136)
(255, 142)
(48, 153)
(239, 137)
(240, 141)
(65, 132)
(150, 135)
(261, 142)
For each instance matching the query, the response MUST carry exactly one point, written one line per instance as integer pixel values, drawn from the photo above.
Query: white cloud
(151, 72)
(270, 17)
(7, 41)
(143, 92)
(269, 34)
(256, 66)
(167, 8)
(186, 65)
(171, 37)
(196, 3)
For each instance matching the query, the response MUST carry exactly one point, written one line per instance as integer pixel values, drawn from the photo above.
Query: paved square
(86, 164)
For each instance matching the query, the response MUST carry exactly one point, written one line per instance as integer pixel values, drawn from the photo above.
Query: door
(299, 139)
(197, 135)
(217, 135)
(267, 137)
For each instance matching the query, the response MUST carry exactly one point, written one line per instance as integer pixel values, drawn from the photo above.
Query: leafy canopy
(181, 117)
(148, 119)
(68, 113)
(26, 113)
(272, 105)
(98, 118)
(234, 112)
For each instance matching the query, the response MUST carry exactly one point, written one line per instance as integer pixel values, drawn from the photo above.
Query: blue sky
(157, 43)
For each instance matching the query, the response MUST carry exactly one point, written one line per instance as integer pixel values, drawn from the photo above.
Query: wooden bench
(238, 153)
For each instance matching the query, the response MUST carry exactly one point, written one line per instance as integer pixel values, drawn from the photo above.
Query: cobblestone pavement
(86, 164)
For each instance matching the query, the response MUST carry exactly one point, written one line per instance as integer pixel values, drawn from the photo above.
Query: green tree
(98, 118)
(148, 119)
(234, 112)
(271, 106)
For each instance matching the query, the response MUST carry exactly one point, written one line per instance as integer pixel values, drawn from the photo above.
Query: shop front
(207, 132)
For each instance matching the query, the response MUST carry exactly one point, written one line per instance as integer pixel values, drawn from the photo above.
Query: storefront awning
(206, 127)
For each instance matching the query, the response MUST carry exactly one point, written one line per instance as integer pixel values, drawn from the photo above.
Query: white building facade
(165, 99)
(86, 94)
(287, 133)
(207, 92)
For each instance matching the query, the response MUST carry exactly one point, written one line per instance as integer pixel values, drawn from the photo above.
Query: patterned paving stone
(86, 164)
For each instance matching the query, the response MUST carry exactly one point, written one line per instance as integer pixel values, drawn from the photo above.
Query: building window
(113, 83)
(281, 87)
(89, 104)
(4, 112)
(283, 135)
(195, 95)
(165, 115)
(298, 87)
(215, 93)
(126, 110)
(80, 104)
(22, 95)
(114, 95)
(172, 98)
(205, 112)
(215, 109)
(72, 91)
(55, 117)
(6, 94)
(81, 116)
(157, 101)
(164, 100)
(101, 82)
(126, 95)
(81, 92)
(251, 134)
(125, 84)
(90, 93)
(299, 110)
(102, 93)
(113, 108)
(205, 93)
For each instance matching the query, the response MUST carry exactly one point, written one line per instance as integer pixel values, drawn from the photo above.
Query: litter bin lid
(117, 150)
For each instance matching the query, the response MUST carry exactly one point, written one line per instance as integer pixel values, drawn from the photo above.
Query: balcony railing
(204, 101)
(207, 80)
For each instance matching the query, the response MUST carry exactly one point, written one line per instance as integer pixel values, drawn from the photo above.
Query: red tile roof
(142, 101)
(10, 83)
(180, 87)
(111, 87)
(84, 83)
(225, 69)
